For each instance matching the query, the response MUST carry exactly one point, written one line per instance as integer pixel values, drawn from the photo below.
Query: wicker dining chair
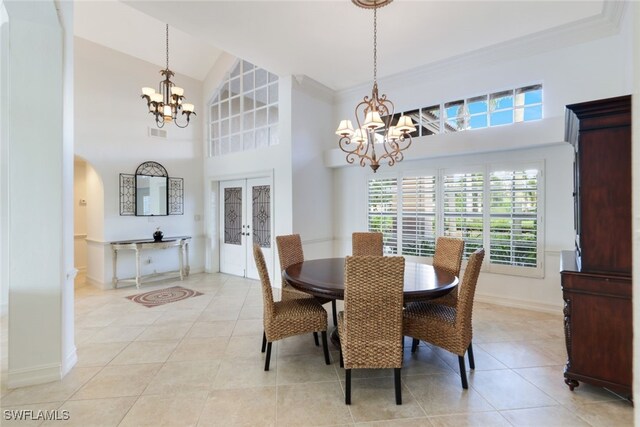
(370, 326)
(444, 326)
(287, 318)
(290, 252)
(366, 244)
(448, 256)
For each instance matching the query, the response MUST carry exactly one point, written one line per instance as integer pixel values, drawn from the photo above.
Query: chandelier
(378, 136)
(167, 103)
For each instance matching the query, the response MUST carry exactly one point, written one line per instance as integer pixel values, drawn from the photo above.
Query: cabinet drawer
(612, 286)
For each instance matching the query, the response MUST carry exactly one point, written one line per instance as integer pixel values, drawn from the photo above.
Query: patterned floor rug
(163, 296)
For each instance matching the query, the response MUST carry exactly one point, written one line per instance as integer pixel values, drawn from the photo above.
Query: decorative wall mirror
(151, 192)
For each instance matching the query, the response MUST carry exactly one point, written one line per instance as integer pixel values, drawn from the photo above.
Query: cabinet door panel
(605, 200)
(601, 337)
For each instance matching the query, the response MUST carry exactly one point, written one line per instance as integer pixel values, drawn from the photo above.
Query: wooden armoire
(596, 276)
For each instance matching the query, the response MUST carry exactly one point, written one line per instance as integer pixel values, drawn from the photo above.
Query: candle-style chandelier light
(378, 137)
(166, 104)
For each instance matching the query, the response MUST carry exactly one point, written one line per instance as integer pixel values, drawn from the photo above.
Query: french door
(245, 219)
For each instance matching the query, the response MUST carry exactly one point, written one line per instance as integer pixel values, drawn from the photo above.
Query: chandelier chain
(375, 44)
(167, 46)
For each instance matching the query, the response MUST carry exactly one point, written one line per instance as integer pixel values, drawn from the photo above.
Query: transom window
(489, 206)
(496, 109)
(243, 114)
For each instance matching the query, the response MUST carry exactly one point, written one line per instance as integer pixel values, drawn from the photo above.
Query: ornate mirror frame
(175, 189)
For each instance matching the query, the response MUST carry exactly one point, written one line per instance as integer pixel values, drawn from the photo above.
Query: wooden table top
(325, 278)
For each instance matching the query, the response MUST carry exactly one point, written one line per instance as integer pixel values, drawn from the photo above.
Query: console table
(180, 242)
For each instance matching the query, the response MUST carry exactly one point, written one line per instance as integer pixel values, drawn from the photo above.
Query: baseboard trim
(96, 283)
(519, 303)
(107, 285)
(32, 376)
(316, 241)
(69, 362)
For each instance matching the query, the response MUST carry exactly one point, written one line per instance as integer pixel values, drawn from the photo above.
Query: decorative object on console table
(157, 235)
(596, 277)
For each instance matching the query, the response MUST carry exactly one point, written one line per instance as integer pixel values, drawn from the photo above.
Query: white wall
(312, 180)
(592, 70)
(4, 185)
(112, 134)
(635, 54)
(80, 218)
(41, 344)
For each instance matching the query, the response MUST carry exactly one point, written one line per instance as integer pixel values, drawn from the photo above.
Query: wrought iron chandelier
(378, 137)
(167, 103)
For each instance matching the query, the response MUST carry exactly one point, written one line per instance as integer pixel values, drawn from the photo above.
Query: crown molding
(313, 88)
(605, 24)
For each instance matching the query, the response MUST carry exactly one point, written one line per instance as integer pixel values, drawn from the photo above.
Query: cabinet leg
(571, 383)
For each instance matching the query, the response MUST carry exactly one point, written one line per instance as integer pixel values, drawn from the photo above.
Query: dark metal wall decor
(233, 215)
(175, 189)
(151, 169)
(176, 196)
(127, 194)
(261, 209)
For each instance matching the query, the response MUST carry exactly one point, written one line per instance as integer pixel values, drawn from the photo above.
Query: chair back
(366, 244)
(267, 294)
(448, 256)
(467, 290)
(289, 250)
(373, 297)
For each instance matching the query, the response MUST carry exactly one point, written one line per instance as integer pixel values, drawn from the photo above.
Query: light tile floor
(198, 362)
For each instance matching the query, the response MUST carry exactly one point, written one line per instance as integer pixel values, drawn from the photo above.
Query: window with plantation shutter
(514, 218)
(462, 208)
(383, 211)
(418, 215)
(497, 207)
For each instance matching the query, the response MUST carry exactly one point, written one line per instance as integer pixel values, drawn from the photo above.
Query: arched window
(243, 114)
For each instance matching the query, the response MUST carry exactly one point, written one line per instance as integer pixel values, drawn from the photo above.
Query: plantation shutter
(383, 211)
(514, 217)
(418, 215)
(462, 208)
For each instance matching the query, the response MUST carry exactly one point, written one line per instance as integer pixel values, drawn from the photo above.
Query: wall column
(39, 151)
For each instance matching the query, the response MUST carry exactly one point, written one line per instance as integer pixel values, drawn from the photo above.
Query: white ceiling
(329, 41)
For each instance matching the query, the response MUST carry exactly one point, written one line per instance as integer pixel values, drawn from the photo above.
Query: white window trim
(485, 169)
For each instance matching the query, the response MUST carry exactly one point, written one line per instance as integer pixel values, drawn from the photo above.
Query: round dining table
(325, 278)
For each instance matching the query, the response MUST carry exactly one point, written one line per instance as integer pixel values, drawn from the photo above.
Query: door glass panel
(233, 215)
(261, 210)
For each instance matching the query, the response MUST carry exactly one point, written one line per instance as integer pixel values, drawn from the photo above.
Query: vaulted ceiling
(329, 41)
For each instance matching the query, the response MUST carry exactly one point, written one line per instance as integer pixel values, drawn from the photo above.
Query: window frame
(237, 131)
(466, 116)
(486, 170)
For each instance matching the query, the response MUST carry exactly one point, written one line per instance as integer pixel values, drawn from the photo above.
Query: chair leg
(396, 374)
(315, 338)
(472, 363)
(268, 357)
(463, 372)
(414, 345)
(264, 341)
(325, 348)
(341, 359)
(335, 313)
(347, 388)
